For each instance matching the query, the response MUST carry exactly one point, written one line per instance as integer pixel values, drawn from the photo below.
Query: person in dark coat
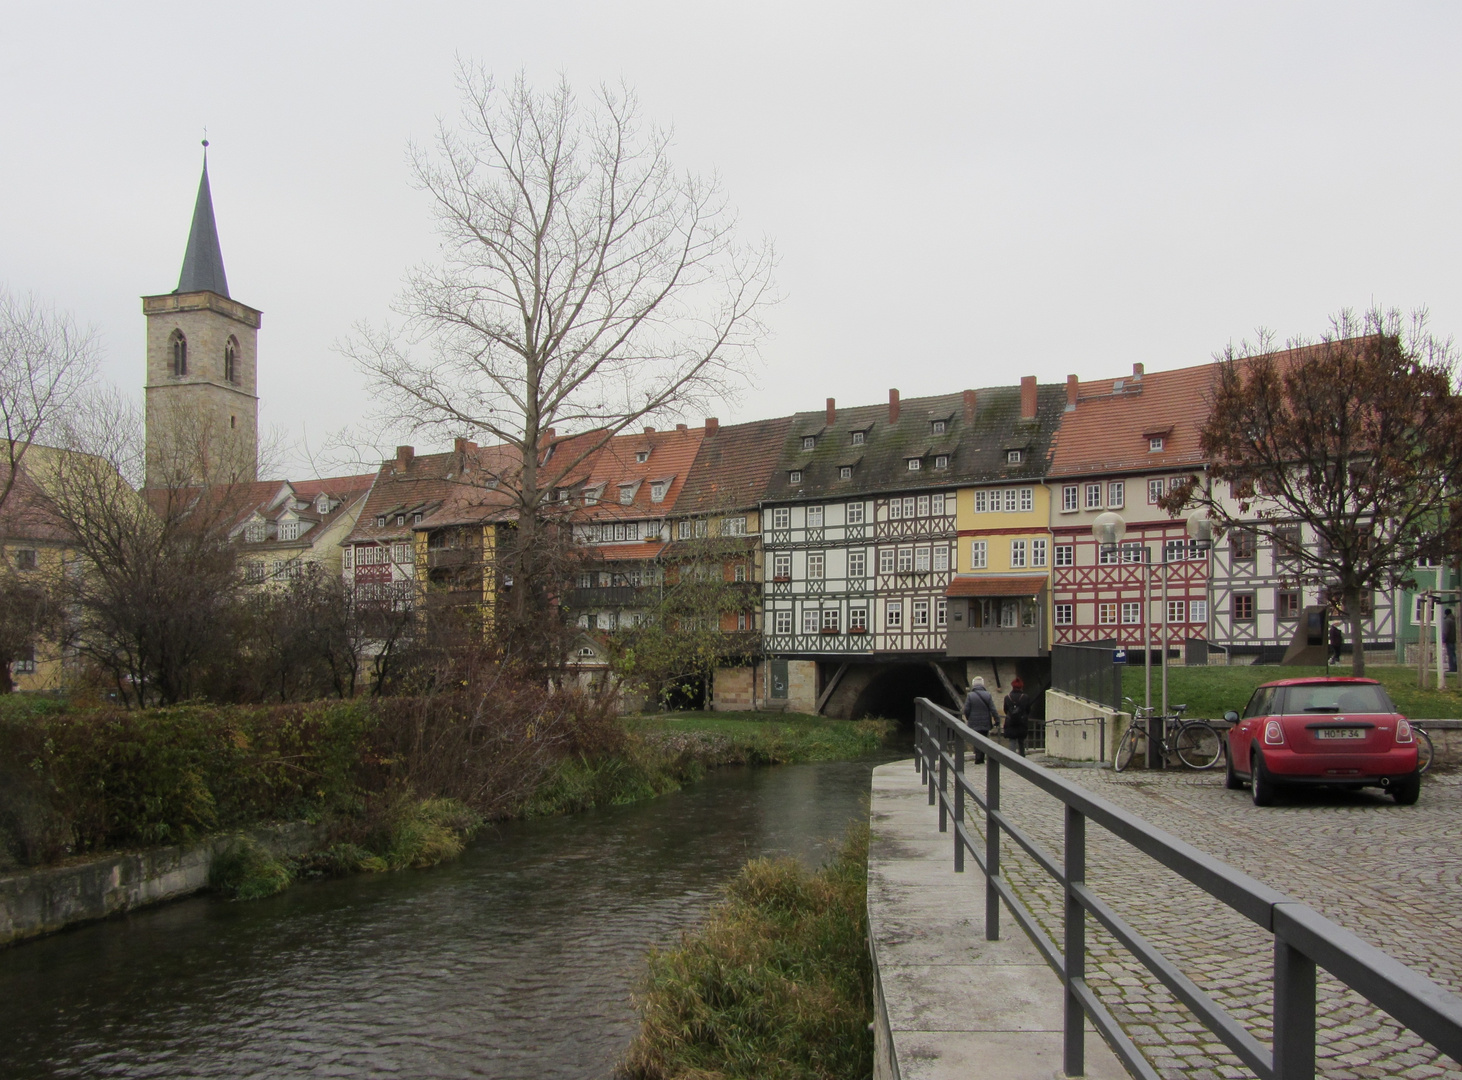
(1336, 641)
(1017, 715)
(980, 712)
(1449, 638)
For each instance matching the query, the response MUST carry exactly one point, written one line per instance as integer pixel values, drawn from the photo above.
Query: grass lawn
(789, 735)
(1209, 691)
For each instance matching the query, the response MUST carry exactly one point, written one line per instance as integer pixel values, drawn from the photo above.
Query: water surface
(515, 961)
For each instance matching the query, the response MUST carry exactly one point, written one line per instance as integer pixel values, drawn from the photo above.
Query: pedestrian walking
(980, 712)
(1337, 641)
(1017, 715)
(1449, 638)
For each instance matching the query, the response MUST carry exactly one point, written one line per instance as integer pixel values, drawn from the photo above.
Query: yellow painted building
(999, 598)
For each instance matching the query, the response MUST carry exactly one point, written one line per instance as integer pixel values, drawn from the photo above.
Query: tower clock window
(178, 345)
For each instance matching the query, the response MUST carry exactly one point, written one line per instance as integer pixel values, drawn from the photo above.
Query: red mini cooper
(1340, 732)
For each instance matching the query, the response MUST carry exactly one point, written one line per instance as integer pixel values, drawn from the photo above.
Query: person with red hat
(1017, 714)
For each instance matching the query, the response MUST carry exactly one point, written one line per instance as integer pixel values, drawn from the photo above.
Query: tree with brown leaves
(1357, 436)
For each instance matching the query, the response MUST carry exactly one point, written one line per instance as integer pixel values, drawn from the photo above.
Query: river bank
(170, 774)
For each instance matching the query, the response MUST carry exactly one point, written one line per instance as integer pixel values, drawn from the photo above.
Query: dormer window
(845, 472)
(915, 464)
(657, 491)
(938, 426)
(255, 532)
(322, 504)
(231, 361)
(809, 442)
(1154, 444)
(178, 346)
(642, 456)
(941, 461)
(626, 494)
(563, 495)
(400, 520)
(380, 522)
(416, 519)
(1013, 457)
(289, 530)
(857, 437)
(795, 476)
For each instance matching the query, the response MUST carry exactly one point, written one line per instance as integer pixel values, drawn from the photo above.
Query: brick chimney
(1137, 372)
(649, 431)
(969, 396)
(1073, 388)
(832, 412)
(712, 426)
(404, 454)
(1028, 398)
(893, 406)
(681, 428)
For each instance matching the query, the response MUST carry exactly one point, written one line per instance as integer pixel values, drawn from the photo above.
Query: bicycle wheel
(1198, 745)
(1424, 749)
(1127, 748)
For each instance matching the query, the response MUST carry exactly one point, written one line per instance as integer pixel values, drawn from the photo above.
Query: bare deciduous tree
(585, 285)
(46, 363)
(1357, 435)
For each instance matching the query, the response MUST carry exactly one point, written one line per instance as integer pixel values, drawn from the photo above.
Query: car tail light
(1273, 734)
(1403, 732)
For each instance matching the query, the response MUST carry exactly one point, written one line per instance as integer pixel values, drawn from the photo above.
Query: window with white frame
(782, 565)
(1134, 552)
(1154, 443)
(941, 557)
(936, 427)
(1198, 611)
(814, 517)
(941, 612)
(254, 572)
(941, 461)
(255, 532)
(1027, 499)
(1107, 614)
(938, 508)
(401, 553)
(1175, 550)
(1065, 554)
(981, 501)
(1012, 457)
(739, 573)
(908, 506)
(1154, 491)
(1069, 498)
(845, 472)
(1017, 554)
(734, 526)
(855, 513)
(856, 438)
(626, 494)
(830, 618)
(782, 517)
(893, 614)
(782, 622)
(1116, 494)
(906, 560)
(795, 476)
(657, 491)
(289, 530)
(683, 529)
(1131, 612)
(1065, 614)
(809, 442)
(1038, 552)
(1177, 611)
(1093, 496)
(921, 505)
(857, 564)
(1010, 500)
(345, 553)
(919, 615)
(816, 563)
(858, 618)
(979, 554)
(915, 464)
(810, 617)
(642, 456)
(885, 560)
(921, 560)
(1108, 556)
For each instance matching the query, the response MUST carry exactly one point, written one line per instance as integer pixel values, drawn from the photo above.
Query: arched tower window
(231, 361)
(179, 346)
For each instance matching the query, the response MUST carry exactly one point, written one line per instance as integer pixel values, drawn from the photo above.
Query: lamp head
(1108, 529)
(1200, 529)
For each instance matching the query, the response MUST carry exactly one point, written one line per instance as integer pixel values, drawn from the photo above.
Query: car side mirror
(1231, 716)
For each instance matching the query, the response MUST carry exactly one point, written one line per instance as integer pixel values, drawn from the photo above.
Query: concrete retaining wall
(1446, 740)
(47, 899)
(1081, 730)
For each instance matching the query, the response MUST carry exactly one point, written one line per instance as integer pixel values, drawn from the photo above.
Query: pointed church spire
(203, 261)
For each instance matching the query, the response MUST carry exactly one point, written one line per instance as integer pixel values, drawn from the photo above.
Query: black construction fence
(1088, 671)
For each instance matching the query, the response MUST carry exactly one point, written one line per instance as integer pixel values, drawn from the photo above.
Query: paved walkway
(1391, 874)
(955, 1004)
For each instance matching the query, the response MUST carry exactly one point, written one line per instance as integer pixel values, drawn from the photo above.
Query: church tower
(202, 402)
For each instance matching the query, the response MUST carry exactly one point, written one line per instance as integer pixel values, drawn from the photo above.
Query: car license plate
(1341, 733)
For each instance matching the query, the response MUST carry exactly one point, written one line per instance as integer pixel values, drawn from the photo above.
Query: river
(516, 960)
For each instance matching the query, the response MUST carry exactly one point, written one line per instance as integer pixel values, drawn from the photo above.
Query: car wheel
(1230, 777)
(1407, 791)
(1261, 784)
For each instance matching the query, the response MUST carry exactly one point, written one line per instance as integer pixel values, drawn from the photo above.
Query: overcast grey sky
(960, 194)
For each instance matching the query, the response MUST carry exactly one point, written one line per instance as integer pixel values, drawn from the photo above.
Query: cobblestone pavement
(1391, 874)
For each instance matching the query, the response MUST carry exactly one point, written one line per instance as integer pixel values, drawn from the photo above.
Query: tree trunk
(1357, 643)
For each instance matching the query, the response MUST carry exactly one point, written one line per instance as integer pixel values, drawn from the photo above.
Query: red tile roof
(734, 465)
(995, 586)
(620, 552)
(671, 454)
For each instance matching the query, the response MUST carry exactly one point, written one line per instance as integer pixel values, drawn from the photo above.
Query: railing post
(1074, 1049)
(931, 746)
(992, 848)
(943, 776)
(959, 801)
(1294, 1013)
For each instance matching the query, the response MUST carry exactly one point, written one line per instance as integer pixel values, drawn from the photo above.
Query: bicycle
(1424, 750)
(1194, 742)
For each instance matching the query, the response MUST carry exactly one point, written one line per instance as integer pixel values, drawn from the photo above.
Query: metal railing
(1303, 938)
(1088, 671)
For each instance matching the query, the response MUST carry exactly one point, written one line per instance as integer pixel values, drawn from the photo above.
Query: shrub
(246, 870)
